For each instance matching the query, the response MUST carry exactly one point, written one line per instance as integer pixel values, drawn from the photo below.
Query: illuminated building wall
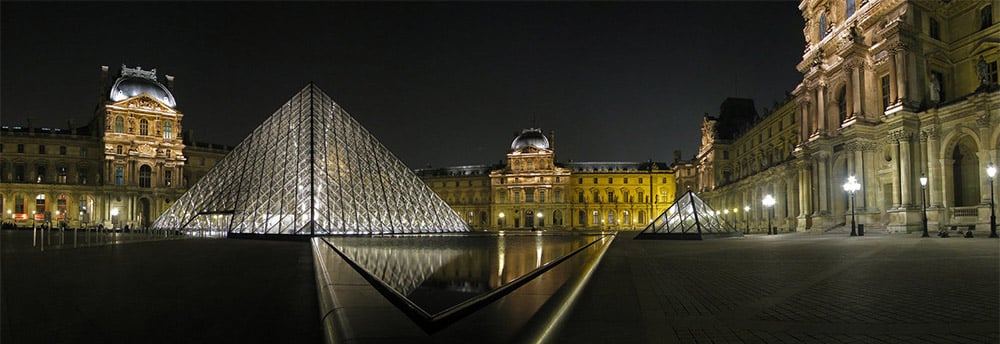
(891, 90)
(532, 190)
(123, 168)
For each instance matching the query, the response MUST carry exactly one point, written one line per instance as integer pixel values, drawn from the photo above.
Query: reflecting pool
(439, 278)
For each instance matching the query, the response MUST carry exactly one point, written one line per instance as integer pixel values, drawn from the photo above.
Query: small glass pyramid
(689, 219)
(311, 169)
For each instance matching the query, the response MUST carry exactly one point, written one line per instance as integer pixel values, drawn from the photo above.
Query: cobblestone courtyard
(794, 288)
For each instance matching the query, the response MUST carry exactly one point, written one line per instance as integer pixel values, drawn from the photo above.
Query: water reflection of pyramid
(311, 169)
(689, 218)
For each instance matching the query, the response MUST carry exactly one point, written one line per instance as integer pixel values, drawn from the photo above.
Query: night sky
(439, 84)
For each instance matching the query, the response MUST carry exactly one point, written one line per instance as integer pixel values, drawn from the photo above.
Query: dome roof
(134, 82)
(530, 137)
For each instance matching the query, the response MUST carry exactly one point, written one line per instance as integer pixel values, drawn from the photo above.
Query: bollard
(861, 229)
(34, 233)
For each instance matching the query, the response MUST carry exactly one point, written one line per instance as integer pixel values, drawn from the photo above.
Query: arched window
(611, 217)
(642, 217)
(119, 124)
(822, 26)
(596, 218)
(626, 217)
(849, 7)
(582, 218)
(168, 130)
(143, 127)
(145, 173)
(842, 104)
(61, 204)
(118, 149)
(966, 173)
(557, 218)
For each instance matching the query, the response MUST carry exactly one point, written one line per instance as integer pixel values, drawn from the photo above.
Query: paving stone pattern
(793, 288)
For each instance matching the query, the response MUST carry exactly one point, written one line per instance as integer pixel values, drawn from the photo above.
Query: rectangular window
(19, 205)
(517, 196)
(595, 180)
(529, 195)
(625, 180)
(934, 29)
(597, 197)
(541, 196)
(20, 148)
(40, 174)
(642, 196)
(119, 175)
(83, 152)
(580, 197)
(640, 180)
(611, 197)
(81, 175)
(991, 72)
(19, 173)
(61, 178)
(62, 150)
(559, 197)
(580, 181)
(885, 91)
(597, 217)
(41, 149)
(985, 17)
(167, 180)
(725, 154)
(664, 180)
(611, 180)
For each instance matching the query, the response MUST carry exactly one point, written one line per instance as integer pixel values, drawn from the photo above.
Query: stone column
(823, 182)
(859, 172)
(820, 109)
(899, 57)
(849, 92)
(856, 89)
(905, 166)
(894, 150)
(893, 79)
(933, 168)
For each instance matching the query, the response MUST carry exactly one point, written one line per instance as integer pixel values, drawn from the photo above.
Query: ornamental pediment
(143, 102)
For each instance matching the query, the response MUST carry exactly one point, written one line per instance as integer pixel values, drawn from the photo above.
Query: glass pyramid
(689, 218)
(310, 169)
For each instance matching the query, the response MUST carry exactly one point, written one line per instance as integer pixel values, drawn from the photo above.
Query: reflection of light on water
(538, 251)
(501, 255)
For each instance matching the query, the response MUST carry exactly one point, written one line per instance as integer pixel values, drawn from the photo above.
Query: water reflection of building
(123, 168)
(532, 190)
(891, 91)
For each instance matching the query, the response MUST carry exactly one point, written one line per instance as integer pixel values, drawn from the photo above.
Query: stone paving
(793, 288)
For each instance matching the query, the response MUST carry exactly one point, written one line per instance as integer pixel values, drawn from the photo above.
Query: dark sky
(438, 83)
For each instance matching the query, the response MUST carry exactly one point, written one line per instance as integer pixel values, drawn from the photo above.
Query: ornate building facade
(123, 168)
(892, 90)
(533, 191)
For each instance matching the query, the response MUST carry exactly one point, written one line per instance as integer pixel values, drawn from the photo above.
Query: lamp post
(539, 216)
(500, 224)
(852, 186)
(991, 171)
(923, 197)
(769, 202)
(746, 218)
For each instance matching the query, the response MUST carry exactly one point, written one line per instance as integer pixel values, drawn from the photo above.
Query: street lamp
(769, 202)
(991, 171)
(746, 218)
(539, 216)
(852, 186)
(501, 223)
(923, 197)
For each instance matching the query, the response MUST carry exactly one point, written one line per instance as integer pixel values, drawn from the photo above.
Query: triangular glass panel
(311, 169)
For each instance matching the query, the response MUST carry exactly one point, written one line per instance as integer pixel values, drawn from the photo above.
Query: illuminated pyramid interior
(311, 169)
(689, 219)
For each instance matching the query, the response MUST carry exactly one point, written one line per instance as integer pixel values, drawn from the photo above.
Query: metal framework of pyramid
(311, 169)
(689, 219)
